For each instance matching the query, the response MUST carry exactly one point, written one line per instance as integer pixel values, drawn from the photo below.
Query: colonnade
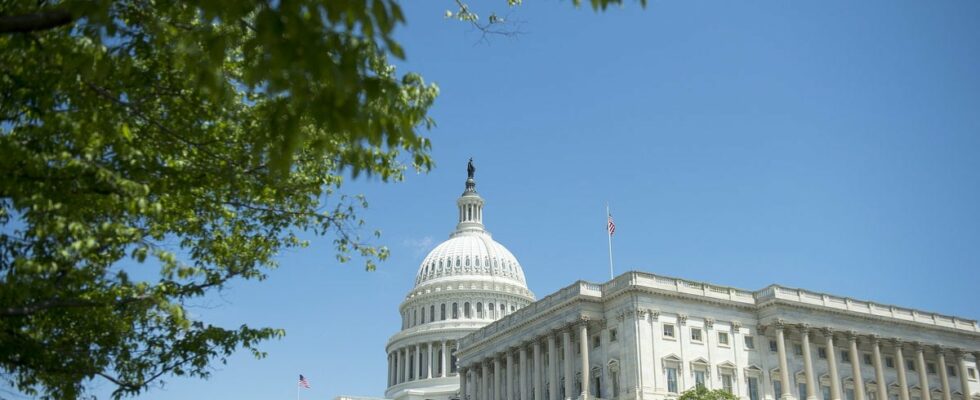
(854, 358)
(521, 372)
(425, 360)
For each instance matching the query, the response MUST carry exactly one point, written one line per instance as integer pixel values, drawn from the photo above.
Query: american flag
(303, 382)
(611, 225)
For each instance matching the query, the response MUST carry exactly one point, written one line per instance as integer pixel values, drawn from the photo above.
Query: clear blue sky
(830, 145)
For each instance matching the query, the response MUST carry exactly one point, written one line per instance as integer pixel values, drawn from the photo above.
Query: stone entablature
(830, 302)
(642, 281)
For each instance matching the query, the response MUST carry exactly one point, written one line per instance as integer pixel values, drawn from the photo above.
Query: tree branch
(40, 21)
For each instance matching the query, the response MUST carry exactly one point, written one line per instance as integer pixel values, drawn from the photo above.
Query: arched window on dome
(503, 309)
(442, 312)
(466, 310)
(432, 313)
(457, 261)
(455, 310)
(492, 310)
(477, 260)
(467, 261)
(423, 314)
(479, 310)
(511, 308)
(415, 319)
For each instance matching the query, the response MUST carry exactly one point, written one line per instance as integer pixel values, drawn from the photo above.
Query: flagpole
(609, 236)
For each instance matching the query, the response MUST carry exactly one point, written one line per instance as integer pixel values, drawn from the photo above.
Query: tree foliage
(201, 136)
(700, 392)
(198, 137)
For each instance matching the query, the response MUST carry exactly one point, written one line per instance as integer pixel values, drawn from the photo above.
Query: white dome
(471, 255)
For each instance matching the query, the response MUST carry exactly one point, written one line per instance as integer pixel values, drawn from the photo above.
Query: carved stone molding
(736, 326)
(827, 331)
(682, 319)
(709, 323)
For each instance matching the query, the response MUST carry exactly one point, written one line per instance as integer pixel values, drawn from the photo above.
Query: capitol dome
(470, 256)
(462, 285)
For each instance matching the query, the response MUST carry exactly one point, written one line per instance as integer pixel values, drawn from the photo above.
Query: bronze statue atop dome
(470, 169)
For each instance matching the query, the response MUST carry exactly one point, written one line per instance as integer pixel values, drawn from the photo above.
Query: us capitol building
(472, 330)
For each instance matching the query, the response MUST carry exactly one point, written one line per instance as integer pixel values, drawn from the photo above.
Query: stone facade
(644, 336)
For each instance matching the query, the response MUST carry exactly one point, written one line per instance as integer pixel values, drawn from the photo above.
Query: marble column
(583, 340)
(428, 363)
(522, 378)
(920, 360)
(442, 361)
(485, 381)
(811, 379)
(417, 362)
(855, 357)
(964, 378)
(903, 382)
(537, 373)
(943, 376)
(404, 365)
(552, 368)
(510, 375)
(835, 392)
(463, 394)
(566, 340)
(879, 369)
(498, 393)
(783, 364)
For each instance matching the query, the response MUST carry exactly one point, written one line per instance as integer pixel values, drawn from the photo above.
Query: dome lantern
(470, 205)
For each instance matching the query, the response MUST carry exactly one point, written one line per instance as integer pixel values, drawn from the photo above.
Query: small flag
(303, 382)
(611, 226)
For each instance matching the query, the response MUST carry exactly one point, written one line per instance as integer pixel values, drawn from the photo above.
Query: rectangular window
(825, 390)
(695, 334)
(801, 387)
(868, 360)
(910, 365)
(822, 352)
(798, 349)
(699, 378)
(845, 356)
(668, 331)
(612, 335)
(723, 338)
(889, 362)
(972, 373)
(749, 342)
(849, 394)
(753, 388)
(777, 389)
(931, 368)
(872, 395)
(726, 383)
(595, 341)
(773, 347)
(671, 379)
(950, 370)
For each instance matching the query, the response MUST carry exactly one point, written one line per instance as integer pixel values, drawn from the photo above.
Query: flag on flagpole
(611, 226)
(303, 382)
